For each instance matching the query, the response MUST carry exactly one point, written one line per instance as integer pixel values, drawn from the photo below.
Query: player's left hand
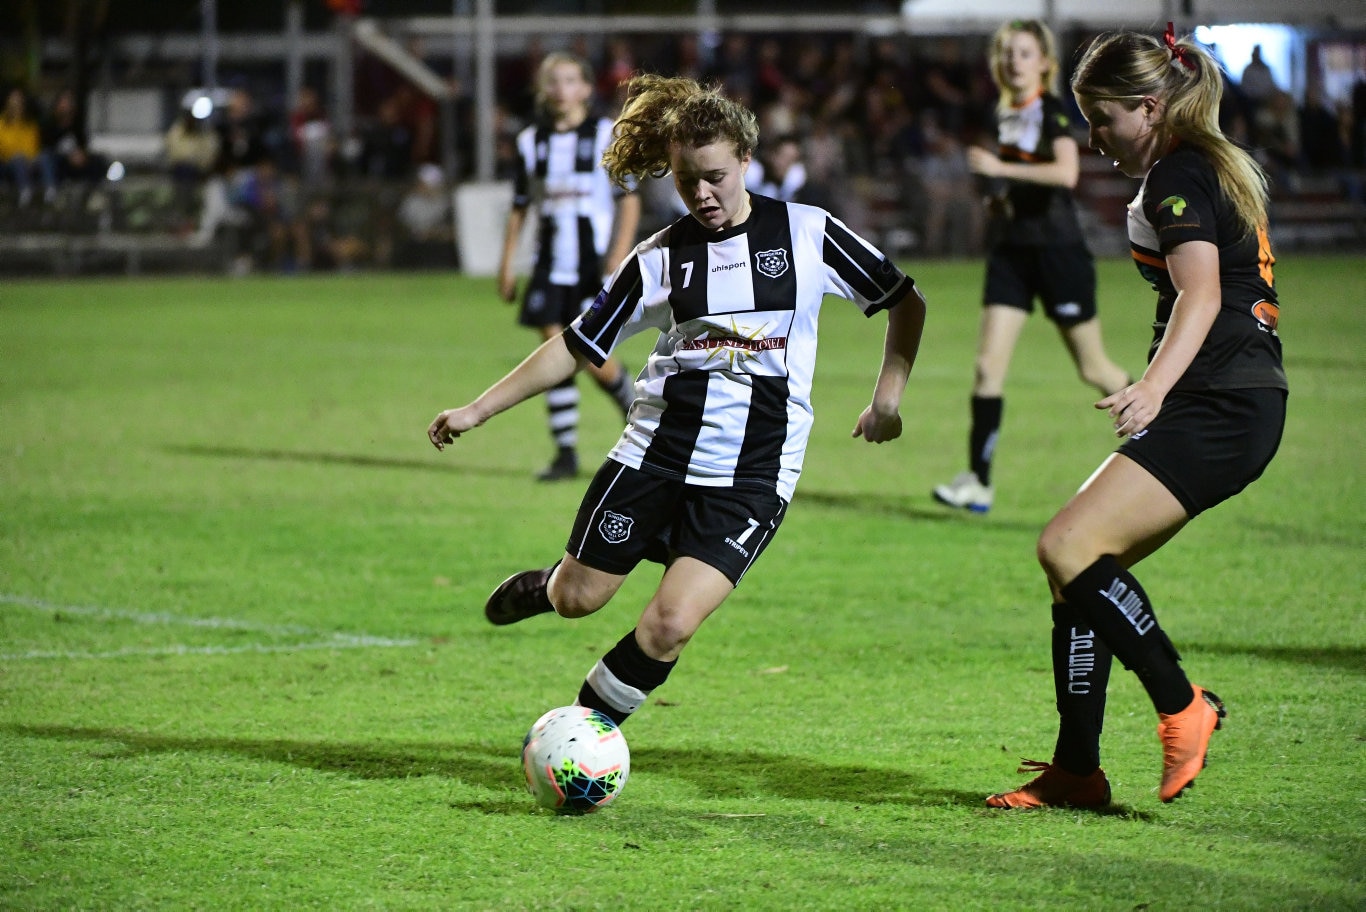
(876, 426)
(1133, 408)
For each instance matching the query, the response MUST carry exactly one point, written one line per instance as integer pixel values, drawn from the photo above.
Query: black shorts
(628, 516)
(1063, 278)
(546, 304)
(1205, 447)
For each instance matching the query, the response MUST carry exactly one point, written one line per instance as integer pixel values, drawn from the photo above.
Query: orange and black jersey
(1036, 214)
(1180, 201)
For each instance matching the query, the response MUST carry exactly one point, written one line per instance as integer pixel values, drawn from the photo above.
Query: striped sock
(622, 680)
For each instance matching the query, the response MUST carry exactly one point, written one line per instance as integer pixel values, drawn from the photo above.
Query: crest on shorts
(614, 527)
(771, 263)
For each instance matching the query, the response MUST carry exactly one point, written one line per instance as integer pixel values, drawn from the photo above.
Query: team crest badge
(771, 263)
(614, 527)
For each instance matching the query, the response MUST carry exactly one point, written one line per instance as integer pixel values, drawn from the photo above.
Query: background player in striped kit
(1202, 422)
(703, 473)
(585, 227)
(1036, 245)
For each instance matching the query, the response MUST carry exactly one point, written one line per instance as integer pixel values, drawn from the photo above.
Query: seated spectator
(20, 144)
(425, 220)
(322, 241)
(66, 146)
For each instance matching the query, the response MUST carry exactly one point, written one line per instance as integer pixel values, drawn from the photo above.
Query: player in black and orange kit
(1036, 247)
(701, 478)
(1202, 423)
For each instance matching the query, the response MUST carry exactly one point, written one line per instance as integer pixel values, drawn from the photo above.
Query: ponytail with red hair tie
(1178, 53)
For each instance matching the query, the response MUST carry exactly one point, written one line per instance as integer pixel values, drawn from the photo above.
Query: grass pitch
(243, 663)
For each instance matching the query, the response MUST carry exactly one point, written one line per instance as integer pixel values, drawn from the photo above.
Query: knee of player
(572, 601)
(1061, 554)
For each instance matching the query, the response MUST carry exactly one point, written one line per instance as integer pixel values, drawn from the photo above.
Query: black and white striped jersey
(725, 397)
(560, 176)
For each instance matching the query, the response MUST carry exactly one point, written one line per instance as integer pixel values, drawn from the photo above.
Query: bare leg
(1121, 510)
(1094, 366)
(999, 332)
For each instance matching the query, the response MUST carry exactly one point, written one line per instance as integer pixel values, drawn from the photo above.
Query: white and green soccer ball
(576, 760)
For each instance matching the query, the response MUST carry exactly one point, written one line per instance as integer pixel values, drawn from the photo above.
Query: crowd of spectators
(893, 111)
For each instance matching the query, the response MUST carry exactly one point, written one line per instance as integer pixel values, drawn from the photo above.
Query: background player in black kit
(585, 227)
(1036, 247)
(703, 473)
(1202, 423)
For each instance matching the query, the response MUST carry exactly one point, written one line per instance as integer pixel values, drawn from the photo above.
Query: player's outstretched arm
(548, 365)
(881, 420)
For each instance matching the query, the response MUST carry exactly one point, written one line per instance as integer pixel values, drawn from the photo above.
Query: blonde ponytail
(1126, 67)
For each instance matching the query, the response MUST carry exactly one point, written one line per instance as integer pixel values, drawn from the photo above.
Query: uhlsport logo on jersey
(771, 263)
(614, 527)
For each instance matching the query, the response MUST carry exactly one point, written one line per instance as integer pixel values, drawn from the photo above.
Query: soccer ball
(575, 760)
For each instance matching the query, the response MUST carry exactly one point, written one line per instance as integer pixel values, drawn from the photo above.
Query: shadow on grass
(714, 773)
(906, 507)
(342, 459)
(1345, 658)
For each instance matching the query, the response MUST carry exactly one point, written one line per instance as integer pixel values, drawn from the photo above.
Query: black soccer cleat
(563, 467)
(519, 597)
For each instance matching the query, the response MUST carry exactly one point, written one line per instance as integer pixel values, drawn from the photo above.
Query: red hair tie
(1178, 53)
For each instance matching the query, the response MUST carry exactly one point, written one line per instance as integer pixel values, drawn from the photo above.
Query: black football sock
(1108, 597)
(1081, 673)
(622, 680)
(986, 427)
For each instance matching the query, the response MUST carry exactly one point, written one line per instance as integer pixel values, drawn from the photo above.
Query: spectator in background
(1276, 137)
(65, 144)
(310, 137)
(1257, 83)
(20, 145)
(1321, 136)
(192, 154)
(387, 144)
(241, 133)
(425, 222)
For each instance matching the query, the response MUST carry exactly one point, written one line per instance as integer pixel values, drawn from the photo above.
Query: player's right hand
(450, 424)
(507, 288)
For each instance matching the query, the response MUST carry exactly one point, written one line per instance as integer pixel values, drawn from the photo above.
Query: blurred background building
(368, 134)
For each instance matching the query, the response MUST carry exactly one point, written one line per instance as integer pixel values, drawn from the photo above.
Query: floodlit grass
(243, 662)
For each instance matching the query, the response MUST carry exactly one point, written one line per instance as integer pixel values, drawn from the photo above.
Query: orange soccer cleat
(1054, 787)
(1185, 740)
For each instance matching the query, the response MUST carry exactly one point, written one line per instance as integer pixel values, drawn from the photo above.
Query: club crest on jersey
(771, 263)
(614, 527)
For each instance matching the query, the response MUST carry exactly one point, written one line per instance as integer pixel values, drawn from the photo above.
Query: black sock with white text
(1109, 598)
(1081, 673)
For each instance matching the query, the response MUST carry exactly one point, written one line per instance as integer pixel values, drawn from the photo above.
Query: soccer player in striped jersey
(701, 477)
(1037, 249)
(586, 225)
(1201, 424)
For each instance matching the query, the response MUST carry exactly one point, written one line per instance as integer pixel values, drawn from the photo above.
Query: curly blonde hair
(666, 111)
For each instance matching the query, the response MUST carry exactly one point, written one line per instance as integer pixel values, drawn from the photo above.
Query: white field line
(331, 641)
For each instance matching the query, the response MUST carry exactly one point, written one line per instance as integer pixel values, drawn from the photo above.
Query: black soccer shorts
(547, 304)
(628, 516)
(1062, 277)
(1207, 446)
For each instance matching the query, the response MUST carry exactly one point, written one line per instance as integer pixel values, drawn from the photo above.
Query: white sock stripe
(560, 398)
(615, 692)
(559, 420)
